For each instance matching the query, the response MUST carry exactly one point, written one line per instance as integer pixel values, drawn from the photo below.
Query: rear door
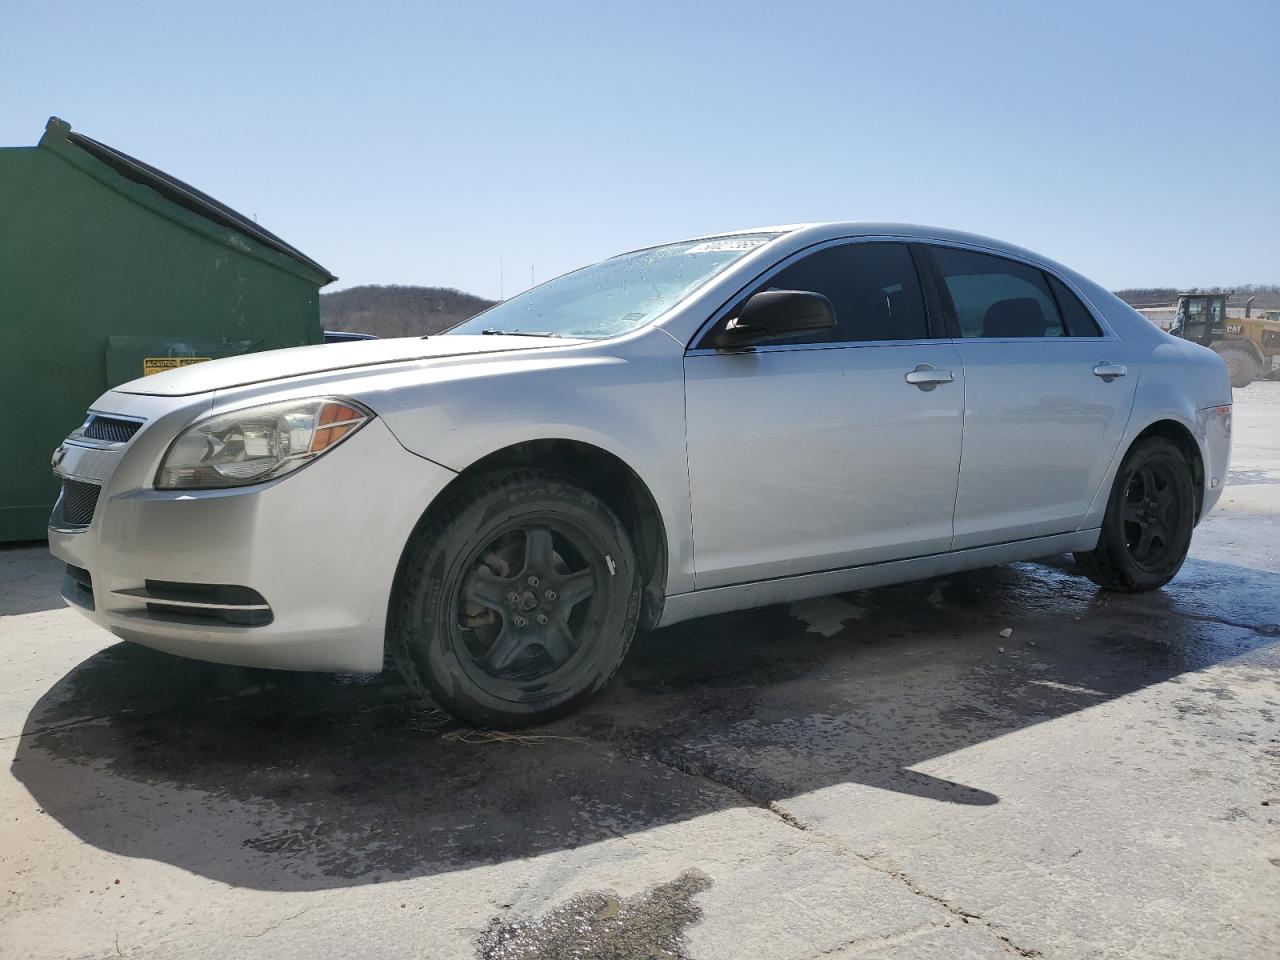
(817, 453)
(1047, 397)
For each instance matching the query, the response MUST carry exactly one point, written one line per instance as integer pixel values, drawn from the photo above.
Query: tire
(516, 600)
(1242, 366)
(1156, 470)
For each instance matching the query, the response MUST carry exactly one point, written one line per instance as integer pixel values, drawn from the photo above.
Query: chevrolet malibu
(725, 422)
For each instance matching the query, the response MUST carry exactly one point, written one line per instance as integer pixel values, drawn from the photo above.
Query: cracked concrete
(875, 775)
(796, 824)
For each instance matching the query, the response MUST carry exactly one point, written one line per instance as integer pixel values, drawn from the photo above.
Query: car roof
(799, 235)
(834, 229)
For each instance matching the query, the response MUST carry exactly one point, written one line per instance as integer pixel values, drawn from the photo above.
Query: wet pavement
(876, 774)
(647, 925)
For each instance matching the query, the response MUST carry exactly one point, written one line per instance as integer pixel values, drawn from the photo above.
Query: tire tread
(1107, 564)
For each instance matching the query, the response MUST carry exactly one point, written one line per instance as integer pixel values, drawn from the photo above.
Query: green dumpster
(111, 270)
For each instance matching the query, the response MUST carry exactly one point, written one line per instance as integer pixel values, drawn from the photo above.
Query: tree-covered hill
(1266, 295)
(394, 311)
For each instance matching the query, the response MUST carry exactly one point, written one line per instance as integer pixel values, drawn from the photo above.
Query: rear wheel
(1146, 530)
(1242, 366)
(516, 602)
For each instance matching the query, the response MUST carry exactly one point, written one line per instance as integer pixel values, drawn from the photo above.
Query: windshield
(618, 295)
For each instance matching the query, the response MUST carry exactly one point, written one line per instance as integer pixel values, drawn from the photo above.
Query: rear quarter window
(1079, 320)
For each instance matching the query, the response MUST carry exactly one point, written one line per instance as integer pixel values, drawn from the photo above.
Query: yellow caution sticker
(152, 365)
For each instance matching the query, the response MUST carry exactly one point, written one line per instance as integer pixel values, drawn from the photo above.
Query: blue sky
(421, 143)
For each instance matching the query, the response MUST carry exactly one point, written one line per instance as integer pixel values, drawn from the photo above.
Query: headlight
(258, 443)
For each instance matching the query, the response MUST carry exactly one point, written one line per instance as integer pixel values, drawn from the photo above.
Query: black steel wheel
(1146, 530)
(523, 608)
(516, 601)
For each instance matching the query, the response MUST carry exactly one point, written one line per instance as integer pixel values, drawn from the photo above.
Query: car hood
(299, 361)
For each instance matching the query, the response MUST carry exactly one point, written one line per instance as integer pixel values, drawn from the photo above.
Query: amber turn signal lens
(335, 422)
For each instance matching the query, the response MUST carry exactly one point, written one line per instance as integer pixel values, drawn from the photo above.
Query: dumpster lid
(185, 195)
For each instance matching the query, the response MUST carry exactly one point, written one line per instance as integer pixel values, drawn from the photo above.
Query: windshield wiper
(495, 332)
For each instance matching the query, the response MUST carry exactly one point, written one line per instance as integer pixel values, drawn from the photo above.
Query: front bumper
(319, 547)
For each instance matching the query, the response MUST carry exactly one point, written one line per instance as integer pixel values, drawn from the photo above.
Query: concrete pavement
(879, 774)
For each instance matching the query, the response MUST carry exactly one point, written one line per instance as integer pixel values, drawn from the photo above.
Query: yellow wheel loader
(1249, 345)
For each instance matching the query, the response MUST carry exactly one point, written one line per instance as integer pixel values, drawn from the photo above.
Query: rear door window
(996, 298)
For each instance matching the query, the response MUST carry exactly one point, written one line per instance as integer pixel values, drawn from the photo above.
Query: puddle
(602, 926)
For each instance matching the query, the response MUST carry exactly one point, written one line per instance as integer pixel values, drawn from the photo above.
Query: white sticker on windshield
(719, 246)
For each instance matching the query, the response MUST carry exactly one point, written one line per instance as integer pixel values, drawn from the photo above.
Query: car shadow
(282, 781)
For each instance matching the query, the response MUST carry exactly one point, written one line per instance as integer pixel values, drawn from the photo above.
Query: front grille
(79, 499)
(111, 429)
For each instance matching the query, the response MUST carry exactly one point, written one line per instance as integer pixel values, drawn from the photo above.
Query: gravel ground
(1259, 393)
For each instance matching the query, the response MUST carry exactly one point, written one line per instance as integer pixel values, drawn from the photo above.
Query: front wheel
(1146, 530)
(516, 600)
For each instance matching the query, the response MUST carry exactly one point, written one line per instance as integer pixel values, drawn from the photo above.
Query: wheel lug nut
(542, 619)
(550, 595)
(533, 581)
(519, 621)
(513, 597)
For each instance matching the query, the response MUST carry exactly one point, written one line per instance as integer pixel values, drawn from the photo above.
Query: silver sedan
(724, 422)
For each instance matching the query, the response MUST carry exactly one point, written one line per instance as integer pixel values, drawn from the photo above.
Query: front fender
(629, 403)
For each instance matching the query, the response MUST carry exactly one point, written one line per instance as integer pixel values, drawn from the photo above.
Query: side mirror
(771, 314)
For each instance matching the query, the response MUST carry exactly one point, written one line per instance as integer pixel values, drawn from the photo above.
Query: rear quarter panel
(1184, 383)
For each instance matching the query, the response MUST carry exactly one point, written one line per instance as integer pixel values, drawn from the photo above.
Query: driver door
(816, 453)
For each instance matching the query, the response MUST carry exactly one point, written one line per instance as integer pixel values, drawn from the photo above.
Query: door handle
(1109, 371)
(926, 376)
